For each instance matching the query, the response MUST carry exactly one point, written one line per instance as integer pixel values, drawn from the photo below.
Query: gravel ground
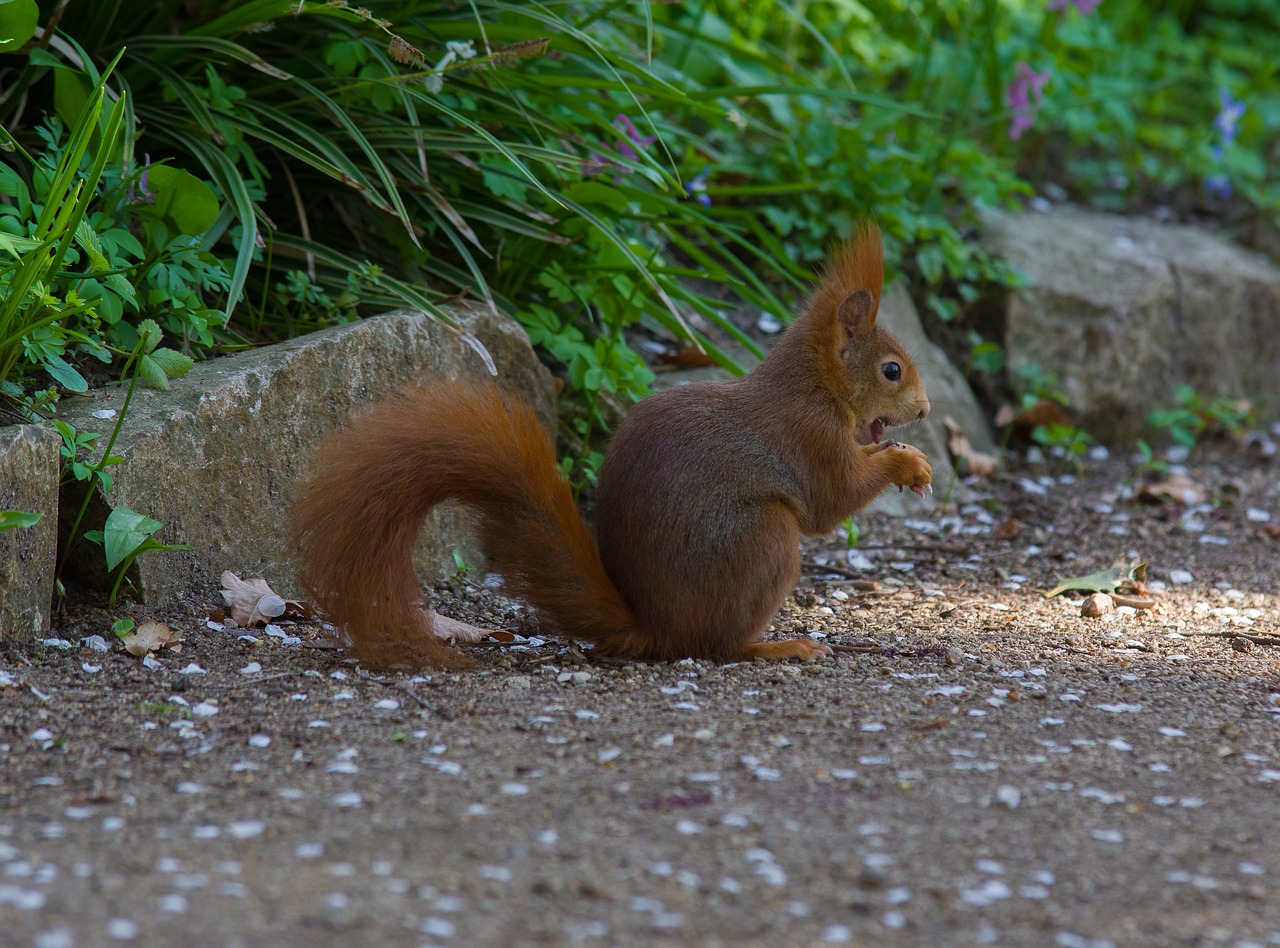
(989, 768)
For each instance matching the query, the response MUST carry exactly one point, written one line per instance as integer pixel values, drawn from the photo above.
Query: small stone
(1097, 605)
(1241, 644)
(954, 656)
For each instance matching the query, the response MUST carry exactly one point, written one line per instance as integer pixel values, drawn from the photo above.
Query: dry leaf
(1043, 413)
(1009, 529)
(252, 602)
(1103, 581)
(689, 357)
(967, 460)
(451, 630)
(1178, 488)
(151, 637)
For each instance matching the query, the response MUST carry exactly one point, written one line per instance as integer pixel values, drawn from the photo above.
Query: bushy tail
(356, 521)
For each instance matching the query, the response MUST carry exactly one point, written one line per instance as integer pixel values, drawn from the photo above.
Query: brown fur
(702, 499)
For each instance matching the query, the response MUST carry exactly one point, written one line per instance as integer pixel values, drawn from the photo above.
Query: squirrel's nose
(923, 411)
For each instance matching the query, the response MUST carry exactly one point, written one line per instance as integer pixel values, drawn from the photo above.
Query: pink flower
(1027, 84)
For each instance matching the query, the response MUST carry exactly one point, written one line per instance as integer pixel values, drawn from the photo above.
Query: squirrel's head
(880, 383)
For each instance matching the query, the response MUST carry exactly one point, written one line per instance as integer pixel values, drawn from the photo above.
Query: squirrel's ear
(857, 314)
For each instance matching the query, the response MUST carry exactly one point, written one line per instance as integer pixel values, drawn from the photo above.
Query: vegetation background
(182, 178)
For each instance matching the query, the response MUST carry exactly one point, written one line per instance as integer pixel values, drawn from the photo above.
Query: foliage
(1063, 440)
(70, 211)
(1194, 414)
(126, 536)
(257, 169)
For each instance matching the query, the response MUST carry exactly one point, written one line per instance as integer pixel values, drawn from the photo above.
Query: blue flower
(1227, 124)
(1227, 120)
(697, 189)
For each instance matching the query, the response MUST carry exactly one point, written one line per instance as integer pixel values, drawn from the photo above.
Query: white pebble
(122, 929)
(246, 829)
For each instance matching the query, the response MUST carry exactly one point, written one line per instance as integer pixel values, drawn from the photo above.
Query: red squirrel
(701, 501)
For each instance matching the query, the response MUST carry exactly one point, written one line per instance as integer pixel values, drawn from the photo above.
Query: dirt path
(1002, 772)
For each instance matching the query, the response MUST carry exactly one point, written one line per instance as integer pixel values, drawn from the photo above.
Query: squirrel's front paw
(911, 469)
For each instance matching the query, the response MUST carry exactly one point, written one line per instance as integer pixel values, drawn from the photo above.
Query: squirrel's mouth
(877, 430)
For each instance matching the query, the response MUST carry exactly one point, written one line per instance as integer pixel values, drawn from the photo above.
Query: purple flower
(628, 128)
(1027, 84)
(1085, 7)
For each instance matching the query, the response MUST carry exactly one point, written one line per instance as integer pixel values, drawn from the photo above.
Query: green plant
(35, 319)
(852, 533)
(1033, 384)
(1063, 440)
(461, 568)
(75, 267)
(1147, 460)
(1194, 414)
(126, 536)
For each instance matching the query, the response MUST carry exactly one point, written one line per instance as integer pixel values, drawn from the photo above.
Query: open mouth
(877, 430)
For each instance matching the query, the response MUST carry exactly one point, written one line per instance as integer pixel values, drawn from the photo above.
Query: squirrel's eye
(892, 371)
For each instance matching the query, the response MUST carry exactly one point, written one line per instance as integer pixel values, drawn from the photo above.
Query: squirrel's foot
(806, 649)
(451, 630)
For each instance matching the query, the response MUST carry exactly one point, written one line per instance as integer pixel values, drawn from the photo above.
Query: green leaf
(1106, 580)
(595, 192)
(17, 519)
(173, 363)
(65, 374)
(18, 19)
(71, 91)
(151, 374)
(183, 199)
(126, 531)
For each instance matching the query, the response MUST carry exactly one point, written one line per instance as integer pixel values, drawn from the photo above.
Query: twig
(1257, 638)
(860, 584)
(856, 648)
(1137, 602)
(404, 689)
(260, 680)
(955, 549)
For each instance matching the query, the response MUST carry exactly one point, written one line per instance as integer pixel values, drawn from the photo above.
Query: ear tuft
(857, 314)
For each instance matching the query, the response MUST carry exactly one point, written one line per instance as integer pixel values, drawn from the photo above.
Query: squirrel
(700, 503)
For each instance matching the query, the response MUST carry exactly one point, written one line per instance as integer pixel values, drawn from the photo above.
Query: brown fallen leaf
(151, 637)
(451, 630)
(1044, 413)
(933, 725)
(1178, 488)
(687, 358)
(967, 460)
(252, 602)
(1009, 529)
